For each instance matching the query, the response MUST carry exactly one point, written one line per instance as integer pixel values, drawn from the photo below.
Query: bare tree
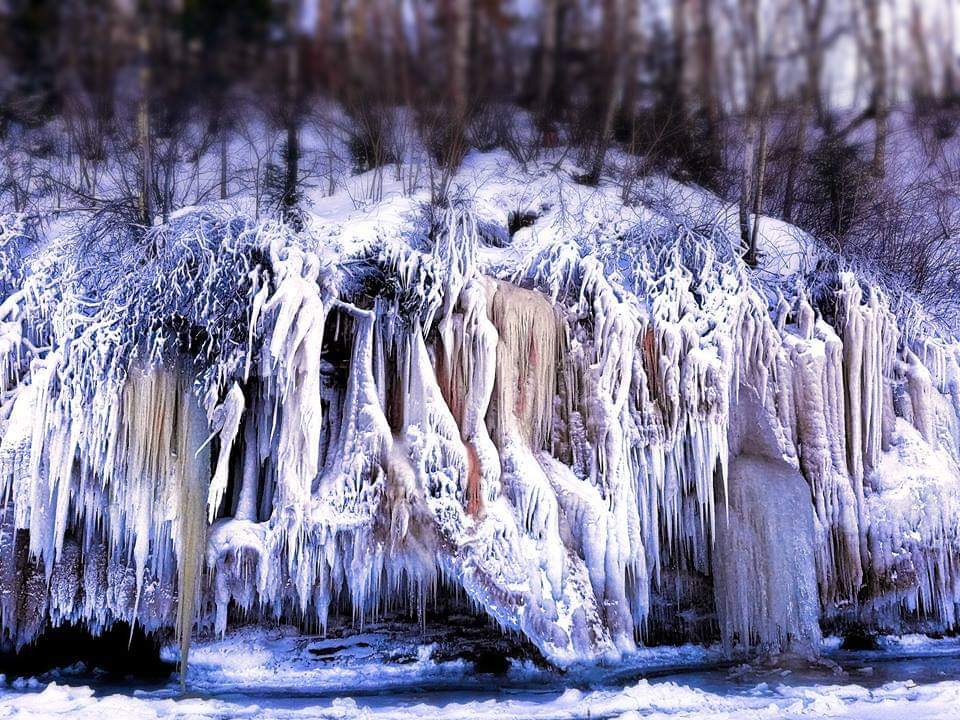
(874, 46)
(706, 68)
(751, 35)
(549, 27)
(612, 70)
(811, 101)
(144, 119)
(292, 112)
(460, 15)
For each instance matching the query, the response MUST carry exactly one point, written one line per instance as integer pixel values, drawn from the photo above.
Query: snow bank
(644, 699)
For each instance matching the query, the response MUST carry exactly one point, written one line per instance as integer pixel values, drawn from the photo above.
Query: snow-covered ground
(892, 701)
(268, 674)
(386, 658)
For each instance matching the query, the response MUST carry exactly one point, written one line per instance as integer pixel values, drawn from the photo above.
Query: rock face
(247, 421)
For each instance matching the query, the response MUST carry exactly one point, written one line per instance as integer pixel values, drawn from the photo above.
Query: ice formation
(231, 420)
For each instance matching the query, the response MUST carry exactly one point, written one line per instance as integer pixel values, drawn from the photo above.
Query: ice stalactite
(764, 571)
(249, 424)
(190, 534)
(870, 340)
(529, 355)
(295, 343)
(765, 563)
(810, 400)
(162, 456)
(471, 374)
(643, 419)
(226, 422)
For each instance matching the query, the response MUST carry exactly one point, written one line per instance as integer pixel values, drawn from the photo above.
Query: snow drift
(579, 428)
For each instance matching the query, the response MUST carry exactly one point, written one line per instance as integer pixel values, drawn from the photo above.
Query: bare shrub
(445, 143)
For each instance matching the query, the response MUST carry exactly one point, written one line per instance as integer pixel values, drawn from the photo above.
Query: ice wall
(243, 422)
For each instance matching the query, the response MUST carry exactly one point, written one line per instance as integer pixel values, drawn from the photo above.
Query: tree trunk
(632, 51)
(292, 120)
(357, 42)
(421, 35)
(811, 100)
(813, 14)
(746, 186)
(548, 49)
(143, 127)
(557, 99)
(706, 72)
(679, 70)
(292, 170)
(402, 54)
(707, 87)
(793, 169)
(223, 163)
(923, 74)
(613, 67)
(878, 66)
(758, 83)
(459, 59)
(949, 58)
(759, 174)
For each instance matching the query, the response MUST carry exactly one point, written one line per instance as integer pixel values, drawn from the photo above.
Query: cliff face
(578, 428)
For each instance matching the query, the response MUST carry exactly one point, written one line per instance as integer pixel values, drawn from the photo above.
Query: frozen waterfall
(233, 420)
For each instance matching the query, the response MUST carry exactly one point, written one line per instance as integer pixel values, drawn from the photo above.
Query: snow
(562, 427)
(384, 673)
(644, 699)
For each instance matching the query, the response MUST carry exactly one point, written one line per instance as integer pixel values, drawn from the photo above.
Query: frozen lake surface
(257, 674)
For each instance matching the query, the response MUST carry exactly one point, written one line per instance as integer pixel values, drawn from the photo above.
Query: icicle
(225, 421)
(527, 356)
(191, 485)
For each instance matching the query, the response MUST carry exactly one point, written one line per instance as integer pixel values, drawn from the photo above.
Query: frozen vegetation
(587, 420)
